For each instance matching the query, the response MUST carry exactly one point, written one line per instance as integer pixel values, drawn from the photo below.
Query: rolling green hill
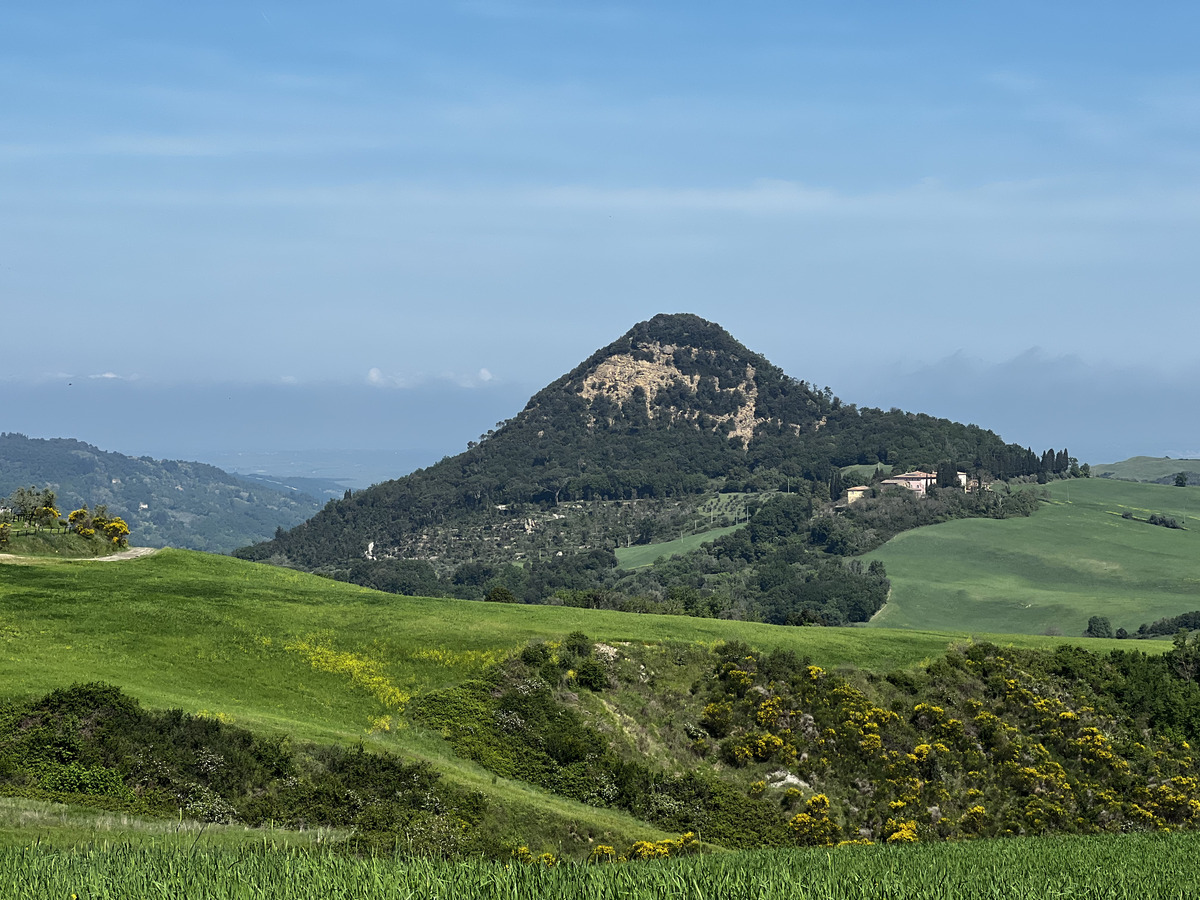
(1050, 572)
(1159, 469)
(284, 652)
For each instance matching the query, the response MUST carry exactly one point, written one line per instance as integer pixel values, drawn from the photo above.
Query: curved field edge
(1116, 866)
(1077, 557)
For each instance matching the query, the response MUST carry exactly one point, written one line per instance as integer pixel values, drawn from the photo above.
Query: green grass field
(646, 554)
(1075, 558)
(286, 651)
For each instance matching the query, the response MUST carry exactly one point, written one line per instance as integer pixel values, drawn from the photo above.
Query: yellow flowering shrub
(902, 832)
(602, 853)
(662, 849)
(813, 827)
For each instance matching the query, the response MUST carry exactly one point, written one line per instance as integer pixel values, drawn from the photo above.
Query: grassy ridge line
(1146, 468)
(1114, 867)
(52, 545)
(1074, 559)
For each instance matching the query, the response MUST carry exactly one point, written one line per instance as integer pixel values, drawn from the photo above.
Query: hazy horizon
(1100, 415)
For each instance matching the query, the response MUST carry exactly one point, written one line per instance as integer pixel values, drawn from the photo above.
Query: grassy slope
(1146, 468)
(201, 632)
(59, 826)
(646, 554)
(1076, 557)
(218, 635)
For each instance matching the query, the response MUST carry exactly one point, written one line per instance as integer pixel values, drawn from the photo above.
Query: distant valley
(167, 503)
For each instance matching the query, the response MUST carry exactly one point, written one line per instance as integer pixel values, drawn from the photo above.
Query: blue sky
(986, 211)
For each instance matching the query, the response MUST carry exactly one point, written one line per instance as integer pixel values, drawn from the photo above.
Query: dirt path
(131, 553)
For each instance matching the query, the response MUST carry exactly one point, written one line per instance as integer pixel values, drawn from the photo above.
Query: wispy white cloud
(376, 377)
(1033, 199)
(113, 376)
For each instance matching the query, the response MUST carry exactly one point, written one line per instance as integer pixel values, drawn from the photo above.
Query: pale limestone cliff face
(619, 375)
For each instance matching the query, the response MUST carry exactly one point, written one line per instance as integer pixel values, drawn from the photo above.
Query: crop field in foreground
(1076, 557)
(1116, 867)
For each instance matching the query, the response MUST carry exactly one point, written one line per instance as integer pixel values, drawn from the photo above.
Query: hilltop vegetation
(30, 523)
(165, 502)
(636, 445)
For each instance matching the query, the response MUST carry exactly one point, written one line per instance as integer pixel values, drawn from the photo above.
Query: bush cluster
(982, 742)
(92, 744)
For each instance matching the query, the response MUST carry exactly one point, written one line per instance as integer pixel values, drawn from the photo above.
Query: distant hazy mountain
(165, 502)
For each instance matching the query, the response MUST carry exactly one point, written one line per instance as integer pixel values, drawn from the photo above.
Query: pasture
(1145, 468)
(640, 555)
(1047, 574)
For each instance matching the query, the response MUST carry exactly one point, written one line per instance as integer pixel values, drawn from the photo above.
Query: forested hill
(673, 409)
(165, 502)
